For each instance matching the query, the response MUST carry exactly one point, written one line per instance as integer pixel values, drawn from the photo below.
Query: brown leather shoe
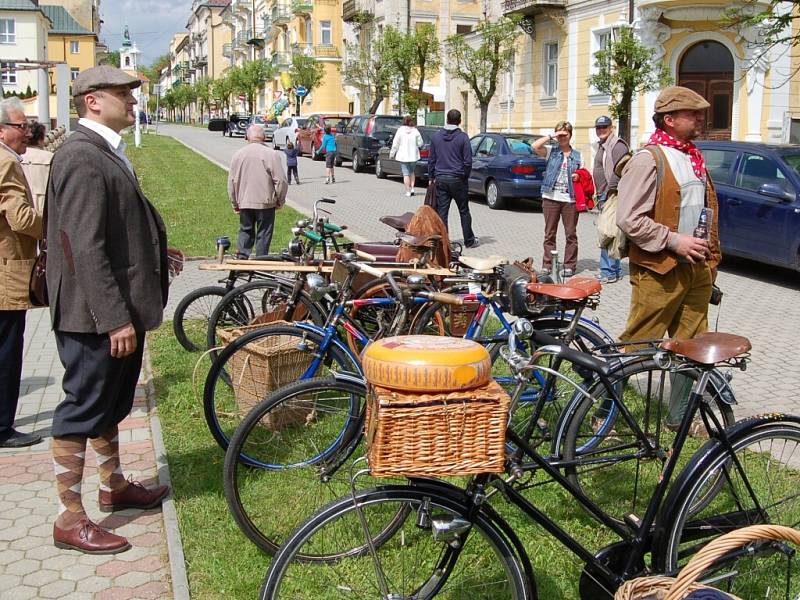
(133, 496)
(89, 538)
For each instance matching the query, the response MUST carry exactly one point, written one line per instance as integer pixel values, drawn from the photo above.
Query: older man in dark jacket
(449, 166)
(107, 277)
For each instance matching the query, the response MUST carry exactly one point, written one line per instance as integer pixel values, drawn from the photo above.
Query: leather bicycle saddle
(482, 265)
(399, 222)
(709, 348)
(577, 288)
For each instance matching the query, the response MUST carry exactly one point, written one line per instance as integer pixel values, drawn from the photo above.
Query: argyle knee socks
(107, 449)
(69, 455)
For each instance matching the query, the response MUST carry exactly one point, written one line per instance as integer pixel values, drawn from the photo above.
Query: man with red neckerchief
(662, 192)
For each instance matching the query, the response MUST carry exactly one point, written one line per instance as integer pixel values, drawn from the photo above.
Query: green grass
(191, 195)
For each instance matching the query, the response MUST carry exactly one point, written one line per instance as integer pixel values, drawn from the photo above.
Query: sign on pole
(300, 91)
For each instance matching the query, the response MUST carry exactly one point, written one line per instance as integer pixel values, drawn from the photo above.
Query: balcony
(240, 6)
(201, 61)
(227, 50)
(302, 7)
(256, 37)
(326, 51)
(282, 60)
(280, 15)
(532, 7)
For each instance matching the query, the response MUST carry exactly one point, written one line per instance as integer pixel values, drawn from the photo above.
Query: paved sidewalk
(30, 565)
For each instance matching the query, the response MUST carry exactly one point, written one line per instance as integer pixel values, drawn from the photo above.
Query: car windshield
(793, 160)
(386, 124)
(259, 120)
(427, 133)
(302, 122)
(521, 144)
(337, 123)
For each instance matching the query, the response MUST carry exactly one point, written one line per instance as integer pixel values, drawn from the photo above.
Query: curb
(177, 560)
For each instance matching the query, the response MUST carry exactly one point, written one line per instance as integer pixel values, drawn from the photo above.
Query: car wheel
(493, 197)
(337, 161)
(358, 166)
(379, 173)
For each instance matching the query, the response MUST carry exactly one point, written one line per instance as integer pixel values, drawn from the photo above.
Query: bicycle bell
(317, 286)
(523, 330)
(348, 257)
(296, 247)
(415, 281)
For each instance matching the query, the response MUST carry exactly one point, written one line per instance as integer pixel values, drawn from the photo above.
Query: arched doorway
(707, 68)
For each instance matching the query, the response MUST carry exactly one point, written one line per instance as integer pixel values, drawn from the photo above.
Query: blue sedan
(504, 166)
(758, 186)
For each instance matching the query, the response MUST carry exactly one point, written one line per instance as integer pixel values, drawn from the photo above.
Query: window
(601, 39)
(74, 47)
(757, 170)
(550, 71)
(474, 143)
(463, 29)
(127, 61)
(488, 147)
(8, 77)
(8, 31)
(309, 32)
(718, 164)
(73, 74)
(325, 33)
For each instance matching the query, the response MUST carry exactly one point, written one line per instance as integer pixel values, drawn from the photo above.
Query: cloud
(152, 24)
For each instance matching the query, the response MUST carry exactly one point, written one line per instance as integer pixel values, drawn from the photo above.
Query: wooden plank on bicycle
(257, 265)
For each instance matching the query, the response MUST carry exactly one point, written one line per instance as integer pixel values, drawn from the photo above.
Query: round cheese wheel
(426, 363)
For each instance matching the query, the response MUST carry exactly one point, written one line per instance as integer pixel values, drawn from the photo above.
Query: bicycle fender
(355, 378)
(310, 327)
(722, 387)
(698, 462)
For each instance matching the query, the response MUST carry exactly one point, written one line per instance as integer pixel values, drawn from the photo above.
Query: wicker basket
(262, 367)
(667, 588)
(437, 435)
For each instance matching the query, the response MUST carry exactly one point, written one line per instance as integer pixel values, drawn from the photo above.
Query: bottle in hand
(704, 224)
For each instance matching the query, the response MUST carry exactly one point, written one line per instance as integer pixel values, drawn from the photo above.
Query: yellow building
(69, 42)
(751, 96)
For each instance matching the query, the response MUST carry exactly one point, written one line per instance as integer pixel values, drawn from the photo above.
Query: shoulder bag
(37, 287)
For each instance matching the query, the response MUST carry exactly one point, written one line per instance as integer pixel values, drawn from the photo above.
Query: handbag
(430, 195)
(37, 286)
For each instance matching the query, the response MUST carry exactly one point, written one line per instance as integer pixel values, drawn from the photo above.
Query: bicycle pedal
(632, 521)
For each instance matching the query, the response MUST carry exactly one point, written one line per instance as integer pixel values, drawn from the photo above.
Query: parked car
(759, 206)
(237, 124)
(389, 167)
(504, 166)
(287, 131)
(218, 124)
(270, 125)
(363, 137)
(309, 137)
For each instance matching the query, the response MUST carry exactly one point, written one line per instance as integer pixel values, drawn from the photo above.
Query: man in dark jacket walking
(449, 165)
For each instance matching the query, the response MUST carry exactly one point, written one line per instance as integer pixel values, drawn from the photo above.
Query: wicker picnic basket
(263, 366)
(682, 586)
(458, 429)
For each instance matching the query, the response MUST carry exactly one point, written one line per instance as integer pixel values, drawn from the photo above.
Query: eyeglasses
(24, 126)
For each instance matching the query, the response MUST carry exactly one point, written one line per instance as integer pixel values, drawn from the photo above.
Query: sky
(151, 22)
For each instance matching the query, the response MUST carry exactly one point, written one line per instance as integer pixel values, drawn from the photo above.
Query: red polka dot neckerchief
(662, 138)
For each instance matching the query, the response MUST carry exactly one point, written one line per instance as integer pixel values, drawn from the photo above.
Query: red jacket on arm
(584, 191)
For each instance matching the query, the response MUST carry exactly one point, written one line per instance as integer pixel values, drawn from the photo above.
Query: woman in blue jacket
(558, 195)
(328, 146)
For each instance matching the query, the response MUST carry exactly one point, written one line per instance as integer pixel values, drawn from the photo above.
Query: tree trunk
(625, 116)
(376, 102)
(484, 116)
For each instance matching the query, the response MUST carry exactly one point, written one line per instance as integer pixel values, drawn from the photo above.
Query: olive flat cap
(679, 98)
(104, 76)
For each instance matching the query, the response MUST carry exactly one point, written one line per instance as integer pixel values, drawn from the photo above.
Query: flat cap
(679, 98)
(603, 121)
(104, 76)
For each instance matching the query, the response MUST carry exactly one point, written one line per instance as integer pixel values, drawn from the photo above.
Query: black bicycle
(433, 538)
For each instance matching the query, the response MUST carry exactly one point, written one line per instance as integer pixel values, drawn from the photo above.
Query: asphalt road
(760, 302)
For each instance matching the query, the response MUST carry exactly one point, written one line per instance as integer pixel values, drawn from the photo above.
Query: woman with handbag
(558, 194)
(20, 228)
(405, 149)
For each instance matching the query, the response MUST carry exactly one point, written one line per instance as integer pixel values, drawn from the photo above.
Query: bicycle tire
(244, 303)
(192, 336)
(768, 450)
(485, 565)
(606, 459)
(225, 404)
(274, 456)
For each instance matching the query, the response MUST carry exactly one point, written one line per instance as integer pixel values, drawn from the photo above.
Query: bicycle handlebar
(366, 255)
(377, 273)
(312, 235)
(442, 298)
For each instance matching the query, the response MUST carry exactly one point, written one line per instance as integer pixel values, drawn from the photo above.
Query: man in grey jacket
(257, 185)
(107, 274)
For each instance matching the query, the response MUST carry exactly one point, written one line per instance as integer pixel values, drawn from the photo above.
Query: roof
(142, 76)
(18, 5)
(62, 21)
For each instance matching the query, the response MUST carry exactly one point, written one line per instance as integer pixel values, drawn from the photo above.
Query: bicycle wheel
(604, 455)
(261, 361)
(190, 320)
(763, 490)
(478, 563)
(266, 300)
(275, 455)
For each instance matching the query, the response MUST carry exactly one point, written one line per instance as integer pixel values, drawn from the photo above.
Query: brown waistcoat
(667, 210)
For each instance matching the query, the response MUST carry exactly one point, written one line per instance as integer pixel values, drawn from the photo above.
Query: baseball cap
(603, 121)
(104, 76)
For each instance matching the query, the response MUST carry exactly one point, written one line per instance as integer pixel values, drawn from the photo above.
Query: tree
(773, 22)
(306, 71)
(168, 101)
(626, 68)
(221, 90)
(481, 65)
(366, 66)
(153, 72)
(202, 93)
(427, 59)
(111, 58)
(184, 95)
(400, 55)
(250, 78)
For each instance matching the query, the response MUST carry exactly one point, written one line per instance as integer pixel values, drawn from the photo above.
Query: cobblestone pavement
(30, 565)
(760, 302)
